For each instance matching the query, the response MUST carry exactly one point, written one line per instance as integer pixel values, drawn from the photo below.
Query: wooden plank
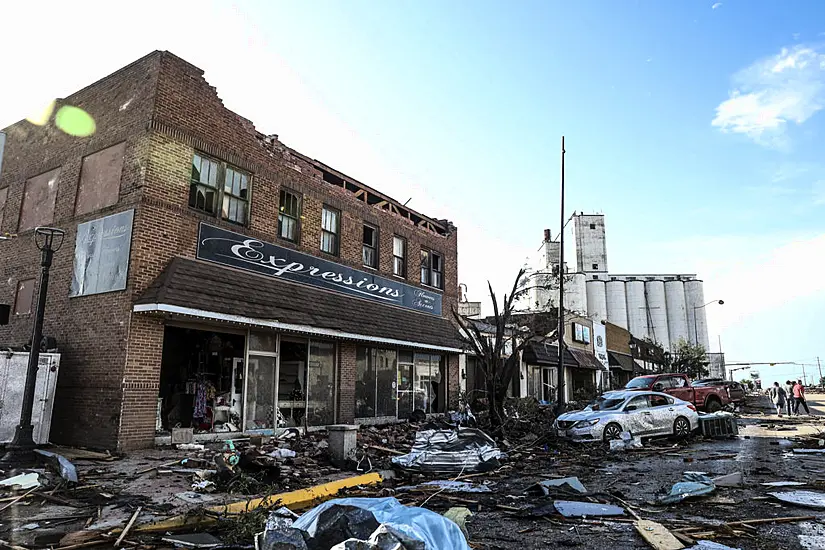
(128, 526)
(294, 500)
(657, 535)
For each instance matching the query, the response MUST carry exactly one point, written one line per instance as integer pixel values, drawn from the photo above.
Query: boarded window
(25, 296)
(38, 200)
(4, 194)
(100, 179)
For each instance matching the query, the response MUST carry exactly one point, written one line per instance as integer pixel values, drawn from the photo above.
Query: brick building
(213, 277)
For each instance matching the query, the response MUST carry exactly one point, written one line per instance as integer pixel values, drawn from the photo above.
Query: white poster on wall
(101, 254)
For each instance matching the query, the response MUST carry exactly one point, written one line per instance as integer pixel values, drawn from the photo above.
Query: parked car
(736, 391)
(642, 413)
(706, 398)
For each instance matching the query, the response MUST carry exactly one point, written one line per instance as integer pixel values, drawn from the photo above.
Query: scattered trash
(190, 447)
(710, 545)
(194, 540)
(809, 499)
(625, 442)
(282, 453)
(204, 486)
(64, 467)
(730, 480)
(692, 485)
(574, 509)
(28, 527)
(459, 515)
(451, 450)
(571, 483)
(278, 532)
(194, 498)
(784, 483)
(813, 536)
(657, 535)
(23, 481)
(418, 524)
(809, 451)
(449, 486)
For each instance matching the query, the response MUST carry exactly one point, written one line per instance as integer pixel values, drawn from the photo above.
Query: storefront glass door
(261, 381)
(320, 408)
(405, 384)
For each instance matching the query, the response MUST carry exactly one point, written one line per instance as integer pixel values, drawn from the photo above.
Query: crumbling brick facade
(164, 111)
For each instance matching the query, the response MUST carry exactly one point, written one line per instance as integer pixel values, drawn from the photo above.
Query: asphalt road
(760, 452)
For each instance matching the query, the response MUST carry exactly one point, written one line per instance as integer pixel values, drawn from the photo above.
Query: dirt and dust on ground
(768, 493)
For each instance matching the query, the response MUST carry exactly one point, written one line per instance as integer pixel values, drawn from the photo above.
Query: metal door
(13, 368)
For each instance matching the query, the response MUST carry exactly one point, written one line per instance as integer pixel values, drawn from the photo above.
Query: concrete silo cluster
(662, 307)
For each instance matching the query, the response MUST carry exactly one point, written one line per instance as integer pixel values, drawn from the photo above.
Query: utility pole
(818, 364)
(560, 404)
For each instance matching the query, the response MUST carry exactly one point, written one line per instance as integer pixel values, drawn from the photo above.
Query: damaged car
(642, 413)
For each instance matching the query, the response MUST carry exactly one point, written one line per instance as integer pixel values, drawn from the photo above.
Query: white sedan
(642, 413)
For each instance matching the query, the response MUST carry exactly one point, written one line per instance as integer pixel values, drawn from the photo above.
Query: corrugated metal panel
(657, 312)
(676, 312)
(616, 303)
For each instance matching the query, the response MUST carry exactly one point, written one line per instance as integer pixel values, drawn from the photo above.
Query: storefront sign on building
(101, 254)
(600, 344)
(236, 250)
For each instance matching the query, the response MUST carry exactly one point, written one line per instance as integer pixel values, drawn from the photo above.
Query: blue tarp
(436, 531)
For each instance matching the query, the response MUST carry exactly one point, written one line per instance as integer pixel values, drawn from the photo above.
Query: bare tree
(499, 361)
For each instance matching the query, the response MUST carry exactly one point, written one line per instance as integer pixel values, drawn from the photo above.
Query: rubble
(692, 485)
(451, 450)
(22, 481)
(808, 499)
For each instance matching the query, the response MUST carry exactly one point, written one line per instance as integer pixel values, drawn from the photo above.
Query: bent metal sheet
(234, 249)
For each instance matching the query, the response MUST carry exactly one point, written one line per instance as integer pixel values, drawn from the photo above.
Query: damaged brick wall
(91, 331)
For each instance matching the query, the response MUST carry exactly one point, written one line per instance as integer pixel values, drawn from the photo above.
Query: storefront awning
(620, 361)
(198, 289)
(539, 353)
(586, 360)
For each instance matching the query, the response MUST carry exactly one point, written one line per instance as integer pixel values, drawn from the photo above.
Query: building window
(595, 266)
(330, 228)
(4, 194)
(38, 200)
(100, 179)
(25, 296)
(235, 196)
(595, 276)
(432, 269)
(370, 247)
(399, 256)
(289, 215)
(213, 183)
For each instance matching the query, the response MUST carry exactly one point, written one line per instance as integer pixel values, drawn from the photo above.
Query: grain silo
(657, 312)
(636, 308)
(616, 303)
(697, 323)
(596, 300)
(676, 312)
(575, 294)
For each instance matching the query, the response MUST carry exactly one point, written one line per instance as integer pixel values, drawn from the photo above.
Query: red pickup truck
(707, 398)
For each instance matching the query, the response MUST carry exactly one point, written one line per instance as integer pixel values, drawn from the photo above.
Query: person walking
(799, 398)
(789, 401)
(778, 397)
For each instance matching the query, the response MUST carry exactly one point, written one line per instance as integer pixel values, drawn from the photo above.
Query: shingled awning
(539, 353)
(199, 289)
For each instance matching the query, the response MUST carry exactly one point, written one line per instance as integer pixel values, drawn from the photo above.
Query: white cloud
(788, 87)
(716, 5)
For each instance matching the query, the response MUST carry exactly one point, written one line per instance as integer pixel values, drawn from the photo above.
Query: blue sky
(695, 129)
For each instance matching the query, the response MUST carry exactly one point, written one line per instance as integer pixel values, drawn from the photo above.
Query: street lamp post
(695, 329)
(20, 451)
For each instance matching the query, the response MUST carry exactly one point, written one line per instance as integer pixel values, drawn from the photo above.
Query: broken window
(215, 183)
(25, 296)
(370, 247)
(432, 269)
(399, 256)
(330, 227)
(100, 179)
(4, 194)
(289, 215)
(38, 201)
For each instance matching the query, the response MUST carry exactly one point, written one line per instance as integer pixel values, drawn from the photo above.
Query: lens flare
(75, 121)
(42, 116)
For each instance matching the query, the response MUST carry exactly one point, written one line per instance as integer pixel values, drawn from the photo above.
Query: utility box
(13, 366)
